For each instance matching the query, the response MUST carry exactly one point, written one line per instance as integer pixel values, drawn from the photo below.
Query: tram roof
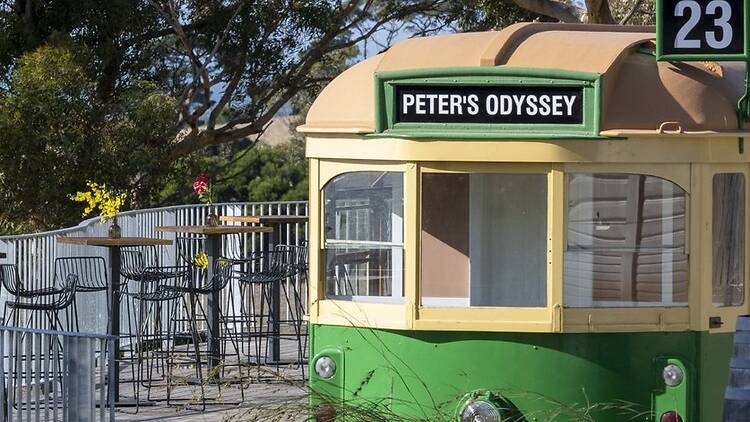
(638, 93)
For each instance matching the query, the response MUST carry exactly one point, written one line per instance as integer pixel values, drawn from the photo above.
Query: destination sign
(489, 104)
(700, 29)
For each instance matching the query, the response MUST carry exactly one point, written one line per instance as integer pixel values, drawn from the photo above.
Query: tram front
(541, 223)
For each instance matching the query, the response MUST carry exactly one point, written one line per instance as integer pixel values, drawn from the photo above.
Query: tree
(127, 92)
(485, 14)
(121, 91)
(259, 55)
(261, 173)
(52, 126)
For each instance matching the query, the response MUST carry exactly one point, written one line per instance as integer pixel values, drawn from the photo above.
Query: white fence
(34, 254)
(55, 376)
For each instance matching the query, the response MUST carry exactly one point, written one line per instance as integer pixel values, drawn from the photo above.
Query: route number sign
(702, 30)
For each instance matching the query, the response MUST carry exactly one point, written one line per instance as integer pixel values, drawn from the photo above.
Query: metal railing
(34, 254)
(55, 376)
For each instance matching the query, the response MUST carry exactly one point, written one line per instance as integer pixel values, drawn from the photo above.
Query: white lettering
(456, 104)
(432, 97)
(473, 101)
(557, 105)
(569, 100)
(531, 108)
(491, 105)
(408, 100)
(519, 103)
(443, 102)
(544, 109)
(506, 104)
(420, 104)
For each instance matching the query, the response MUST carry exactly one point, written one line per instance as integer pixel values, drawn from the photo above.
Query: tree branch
(631, 12)
(554, 9)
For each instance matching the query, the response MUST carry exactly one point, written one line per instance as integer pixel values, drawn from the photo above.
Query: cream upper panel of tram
(637, 93)
(633, 150)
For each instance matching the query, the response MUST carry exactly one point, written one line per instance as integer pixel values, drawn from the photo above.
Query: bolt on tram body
(540, 223)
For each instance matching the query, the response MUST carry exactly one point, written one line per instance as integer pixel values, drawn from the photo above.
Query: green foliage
(114, 91)
(644, 14)
(55, 134)
(254, 173)
(485, 15)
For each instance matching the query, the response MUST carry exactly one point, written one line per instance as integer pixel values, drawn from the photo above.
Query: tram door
(725, 229)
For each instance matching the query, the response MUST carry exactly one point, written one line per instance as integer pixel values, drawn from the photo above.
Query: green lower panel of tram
(607, 377)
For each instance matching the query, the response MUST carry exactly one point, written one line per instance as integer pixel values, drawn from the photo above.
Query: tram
(542, 223)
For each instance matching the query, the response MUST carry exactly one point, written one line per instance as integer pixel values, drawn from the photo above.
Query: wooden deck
(270, 393)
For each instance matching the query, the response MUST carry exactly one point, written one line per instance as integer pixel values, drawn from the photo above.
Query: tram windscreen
(625, 242)
(484, 240)
(364, 236)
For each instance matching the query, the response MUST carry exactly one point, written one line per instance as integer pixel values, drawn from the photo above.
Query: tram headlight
(672, 375)
(325, 367)
(480, 411)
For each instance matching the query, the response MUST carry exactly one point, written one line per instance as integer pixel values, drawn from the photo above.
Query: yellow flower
(98, 196)
(200, 260)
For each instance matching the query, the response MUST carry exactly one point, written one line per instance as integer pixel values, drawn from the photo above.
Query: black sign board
(701, 29)
(489, 104)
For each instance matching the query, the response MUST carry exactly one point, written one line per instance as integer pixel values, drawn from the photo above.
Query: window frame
(397, 292)
(411, 315)
(728, 314)
(337, 311)
(527, 319)
(631, 319)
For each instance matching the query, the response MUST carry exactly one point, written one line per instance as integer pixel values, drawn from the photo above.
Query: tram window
(484, 240)
(625, 242)
(364, 236)
(728, 239)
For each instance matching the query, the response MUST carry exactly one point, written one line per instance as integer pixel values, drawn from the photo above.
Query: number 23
(719, 8)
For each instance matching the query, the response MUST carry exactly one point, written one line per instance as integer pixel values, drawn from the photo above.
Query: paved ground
(267, 393)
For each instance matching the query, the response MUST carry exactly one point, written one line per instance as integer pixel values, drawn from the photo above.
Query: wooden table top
(208, 230)
(109, 242)
(264, 219)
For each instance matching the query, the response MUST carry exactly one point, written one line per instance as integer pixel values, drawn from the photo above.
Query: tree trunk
(597, 11)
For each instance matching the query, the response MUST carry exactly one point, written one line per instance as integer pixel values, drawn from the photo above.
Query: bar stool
(193, 312)
(159, 289)
(49, 299)
(188, 248)
(92, 278)
(260, 272)
(299, 270)
(139, 265)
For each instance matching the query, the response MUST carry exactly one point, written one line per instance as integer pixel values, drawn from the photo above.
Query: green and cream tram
(540, 223)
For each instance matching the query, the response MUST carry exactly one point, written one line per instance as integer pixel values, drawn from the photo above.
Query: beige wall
(445, 236)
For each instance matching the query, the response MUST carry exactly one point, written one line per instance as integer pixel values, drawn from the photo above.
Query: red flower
(201, 184)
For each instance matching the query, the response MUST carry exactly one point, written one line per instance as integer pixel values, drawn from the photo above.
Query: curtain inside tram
(728, 227)
(625, 242)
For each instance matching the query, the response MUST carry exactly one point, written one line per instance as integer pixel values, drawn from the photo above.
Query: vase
(212, 220)
(115, 231)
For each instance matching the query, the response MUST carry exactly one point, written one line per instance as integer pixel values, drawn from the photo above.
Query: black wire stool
(263, 272)
(92, 278)
(159, 289)
(48, 299)
(193, 313)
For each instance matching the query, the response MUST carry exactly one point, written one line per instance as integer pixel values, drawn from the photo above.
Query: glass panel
(729, 239)
(625, 242)
(364, 236)
(484, 240)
